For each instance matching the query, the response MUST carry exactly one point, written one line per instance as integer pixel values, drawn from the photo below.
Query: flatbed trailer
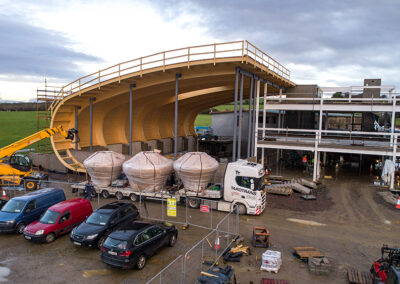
(209, 196)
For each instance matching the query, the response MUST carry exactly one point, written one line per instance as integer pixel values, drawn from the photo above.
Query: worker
(89, 189)
(304, 160)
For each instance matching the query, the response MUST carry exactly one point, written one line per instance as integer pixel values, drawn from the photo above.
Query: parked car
(59, 219)
(20, 211)
(108, 218)
(133, 244)
(2, 203)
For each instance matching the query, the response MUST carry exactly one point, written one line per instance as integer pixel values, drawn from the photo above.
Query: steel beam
(256, 108)
(131, 86)
(235, 115)
(177, 76)
(264, 117)
(91, 100)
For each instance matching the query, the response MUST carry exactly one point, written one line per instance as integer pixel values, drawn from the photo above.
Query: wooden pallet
(359, 277)
(305, 252)
(273, 281)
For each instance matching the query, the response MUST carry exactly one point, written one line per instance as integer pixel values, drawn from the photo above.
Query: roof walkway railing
(235, 49)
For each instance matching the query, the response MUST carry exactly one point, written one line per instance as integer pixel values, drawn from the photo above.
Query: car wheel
(101, 241)
(194, 203)
(172, 240)
(133, 197)
(20, 228)
(105, 194)
(119, 195)
(50, 238)
(141, 262)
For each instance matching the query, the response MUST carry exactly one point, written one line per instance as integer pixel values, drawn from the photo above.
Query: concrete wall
(372, 93)
(48, 162)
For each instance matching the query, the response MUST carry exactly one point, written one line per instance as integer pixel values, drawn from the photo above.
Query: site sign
(171, 207)
(205, 208)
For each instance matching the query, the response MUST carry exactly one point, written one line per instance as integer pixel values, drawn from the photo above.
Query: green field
(15, 125)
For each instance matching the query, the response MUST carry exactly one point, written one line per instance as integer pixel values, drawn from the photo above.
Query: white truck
(243, 186)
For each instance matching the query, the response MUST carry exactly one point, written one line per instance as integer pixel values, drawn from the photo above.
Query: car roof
(114, 205)
(59, 207)
(33, 194)
(130, 230)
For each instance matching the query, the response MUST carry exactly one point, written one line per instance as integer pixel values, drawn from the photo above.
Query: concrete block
(47, 161)
(154, 144)
(192, 143)
(119, 148)
(168, 146)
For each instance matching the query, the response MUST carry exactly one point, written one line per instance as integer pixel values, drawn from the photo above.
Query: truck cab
(244, 187)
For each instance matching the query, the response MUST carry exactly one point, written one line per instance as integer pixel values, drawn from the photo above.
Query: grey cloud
(29, 50)
(324, 34)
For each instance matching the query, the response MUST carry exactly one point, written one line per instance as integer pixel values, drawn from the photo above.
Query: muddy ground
(355, 223)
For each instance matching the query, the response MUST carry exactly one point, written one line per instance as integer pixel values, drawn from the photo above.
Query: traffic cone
(398, 204)
(3, 194)
(217, 247)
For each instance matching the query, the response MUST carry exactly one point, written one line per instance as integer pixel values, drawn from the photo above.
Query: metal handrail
(241, 49)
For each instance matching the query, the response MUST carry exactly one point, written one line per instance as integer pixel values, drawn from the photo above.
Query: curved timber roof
(208, 79)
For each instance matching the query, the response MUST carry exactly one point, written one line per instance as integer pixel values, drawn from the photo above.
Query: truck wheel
(241, 209)
(31, 185)
(20, 228)
(119, 195)
(194, 203)
(93, 193)
(50, 238)
(133, 197)
(141, 262)
(105, 194)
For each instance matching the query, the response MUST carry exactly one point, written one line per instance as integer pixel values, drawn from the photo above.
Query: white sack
(388, 170)
(147, 171)
(104, 167)
(195, 169)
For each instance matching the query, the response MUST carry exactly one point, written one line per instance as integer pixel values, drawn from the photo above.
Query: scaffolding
(44, 98)
(318, 138)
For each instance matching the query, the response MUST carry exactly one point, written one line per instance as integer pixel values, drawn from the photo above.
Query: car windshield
(14, 206)
(50, 217)
(98, 219)
(114, 243)
(259, 183)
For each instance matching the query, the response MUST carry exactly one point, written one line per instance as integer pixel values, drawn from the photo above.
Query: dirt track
(356, 224)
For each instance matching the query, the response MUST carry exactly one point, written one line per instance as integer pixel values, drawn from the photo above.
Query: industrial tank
(147, 171)
(104, 166)
(195, 169)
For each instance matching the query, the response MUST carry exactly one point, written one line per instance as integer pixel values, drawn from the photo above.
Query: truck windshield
(14, 206)
(114, 243)
(250, 182)
(50, 217)
(98, 219)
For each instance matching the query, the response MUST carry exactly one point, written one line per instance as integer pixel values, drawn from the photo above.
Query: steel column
(131, 86)
(91, 122)
(394, 160)
(177, 76)
(255, 118)
(264, 114)
(76, 125)
(257, 111)
(235, 115)
(249, 132)
(240, 117)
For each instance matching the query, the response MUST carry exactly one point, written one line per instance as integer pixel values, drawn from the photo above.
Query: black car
(131, 245)
(2, 203)
(108, 218)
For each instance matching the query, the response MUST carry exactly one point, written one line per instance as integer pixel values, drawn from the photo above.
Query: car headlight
(10, 222)
(91, 237)
(40, 232)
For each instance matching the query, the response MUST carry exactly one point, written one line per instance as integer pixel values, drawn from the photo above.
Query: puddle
(4, 272)
(305, 222)
(90, 273)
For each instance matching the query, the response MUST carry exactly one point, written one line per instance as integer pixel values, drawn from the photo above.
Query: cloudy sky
(330, 43)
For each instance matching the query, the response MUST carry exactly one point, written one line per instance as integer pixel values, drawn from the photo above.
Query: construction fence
(223, 227)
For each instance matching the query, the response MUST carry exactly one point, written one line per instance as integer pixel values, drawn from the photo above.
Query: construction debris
(359, 277)
(294, 185)
(319, 265)
(217, 275)
(388, 197)
(280, 190)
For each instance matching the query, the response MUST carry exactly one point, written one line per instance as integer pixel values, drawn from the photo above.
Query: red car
(59, 219)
